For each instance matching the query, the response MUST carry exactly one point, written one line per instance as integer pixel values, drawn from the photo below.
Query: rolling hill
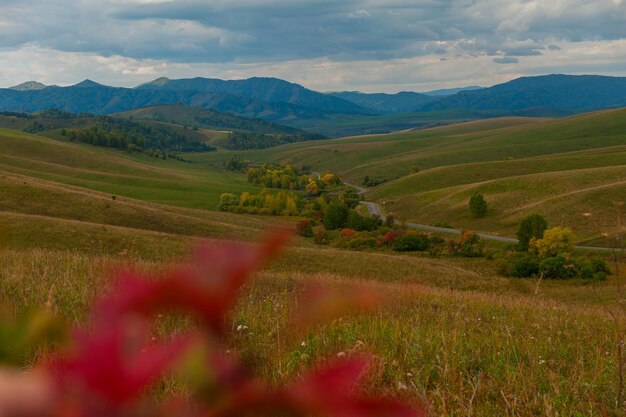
(558, 168)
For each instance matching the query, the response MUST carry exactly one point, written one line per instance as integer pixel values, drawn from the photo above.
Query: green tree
(530, 227)
(478, 205)
(335, 215)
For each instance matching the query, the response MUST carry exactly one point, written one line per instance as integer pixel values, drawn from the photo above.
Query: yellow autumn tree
(311, 188)
(555, 241)
(328, 178)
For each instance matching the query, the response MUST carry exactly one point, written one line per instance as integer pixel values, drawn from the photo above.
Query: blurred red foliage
(110, 368)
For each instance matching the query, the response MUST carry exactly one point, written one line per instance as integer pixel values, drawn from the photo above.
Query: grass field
(481, 351)
(453, 333)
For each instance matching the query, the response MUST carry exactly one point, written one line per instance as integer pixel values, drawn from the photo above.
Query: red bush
(391, 237)
(109, 368)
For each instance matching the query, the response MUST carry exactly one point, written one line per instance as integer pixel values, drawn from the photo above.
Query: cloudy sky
(327, 45)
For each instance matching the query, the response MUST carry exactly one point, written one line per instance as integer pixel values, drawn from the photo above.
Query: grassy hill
(455, 334)
(559, 168)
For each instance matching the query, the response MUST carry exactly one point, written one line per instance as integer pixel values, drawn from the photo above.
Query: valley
(72, 212)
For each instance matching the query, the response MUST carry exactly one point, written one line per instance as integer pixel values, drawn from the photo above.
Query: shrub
(437, 244)
(524, 266)
(321, 236)
(411, 242)
(362, 241)
(390, 237)
(305, 228)
(348, 233)
(113, 366)
(555, 241)
(469, 244)
(478, 205)
(530, 227)
(592, 269)
(557, 267)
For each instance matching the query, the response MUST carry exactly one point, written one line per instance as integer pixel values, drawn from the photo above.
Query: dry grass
(466, 352)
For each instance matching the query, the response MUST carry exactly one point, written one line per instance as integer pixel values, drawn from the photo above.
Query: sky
(326, 45)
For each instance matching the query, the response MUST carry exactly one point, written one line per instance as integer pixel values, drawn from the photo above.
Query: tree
(228, 200)
(478, 205)
(555, 241)
(312, 188)
(335, 215)
(351, 198)
(530, 227)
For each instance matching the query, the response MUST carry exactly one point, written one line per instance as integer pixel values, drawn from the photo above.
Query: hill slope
(559, 168)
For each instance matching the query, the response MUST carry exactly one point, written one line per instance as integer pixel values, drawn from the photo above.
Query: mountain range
(280, 101)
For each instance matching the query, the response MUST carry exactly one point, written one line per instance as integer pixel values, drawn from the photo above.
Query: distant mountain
(403, 102)
(270, 90)
(451, 91)
(254, 98)
(28, 86)
(575, 93)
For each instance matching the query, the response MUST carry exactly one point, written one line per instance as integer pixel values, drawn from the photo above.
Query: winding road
(376, 210)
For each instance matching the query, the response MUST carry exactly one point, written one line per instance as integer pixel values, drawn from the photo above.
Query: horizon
(356, 45)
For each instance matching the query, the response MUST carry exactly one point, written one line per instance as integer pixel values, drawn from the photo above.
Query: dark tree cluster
(252, 140)
(120, 134)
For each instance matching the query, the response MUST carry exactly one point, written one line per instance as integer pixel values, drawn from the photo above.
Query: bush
(362, 241)
(321, 236)
(305, 228)
(478, 205)
(469, 245)
(592, 269)
(557, 267)
(411, 242)
(524, 266)
(530, 227)
(437, 244)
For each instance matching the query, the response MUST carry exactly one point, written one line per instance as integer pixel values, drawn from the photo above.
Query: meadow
(453, 333)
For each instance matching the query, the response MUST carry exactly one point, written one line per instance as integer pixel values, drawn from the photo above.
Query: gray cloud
(265, 33)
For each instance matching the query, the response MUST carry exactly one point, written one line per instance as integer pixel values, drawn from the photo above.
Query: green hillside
(115, 172)
(559, 168)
